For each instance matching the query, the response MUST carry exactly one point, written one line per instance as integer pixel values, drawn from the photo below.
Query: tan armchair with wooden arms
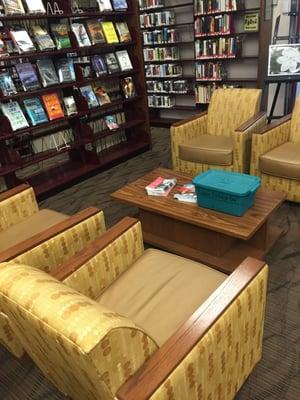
(135, 324)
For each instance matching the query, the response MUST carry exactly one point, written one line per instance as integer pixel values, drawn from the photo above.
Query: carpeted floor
(277, 377)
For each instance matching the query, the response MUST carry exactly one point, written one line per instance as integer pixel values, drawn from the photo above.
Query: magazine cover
(52, 105)
(35, 111)
(70, 105)
(99, 65)
(22, 40)
(123, 32)
(95, 31)
(128, 87)
(35, 6)
(124, 60)
(47, 72)
(284, 60)
(7, 85)
(15, 115)
(89, 95)
(111, 122)
(28, 76)
(102, 95)
(104, 5)
(112, 63)
(13, 7)
(42, 38)
(81, 34)
(109, 32)
(120, 5)
(65, 70)
(61, 36)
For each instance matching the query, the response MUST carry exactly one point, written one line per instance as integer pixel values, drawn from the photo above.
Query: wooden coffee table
(220, 240)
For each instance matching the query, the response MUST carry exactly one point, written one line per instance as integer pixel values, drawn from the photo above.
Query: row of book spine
(217, 6)
(163, 70)
(157, 19)
(222, 47)
(150, 4)
(203, 93)
(161, 54)
(165, 35)
(174, 86)
(155, 101)
(214, 25)
(210, 71)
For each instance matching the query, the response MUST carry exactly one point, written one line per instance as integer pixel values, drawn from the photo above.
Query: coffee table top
(240, 227)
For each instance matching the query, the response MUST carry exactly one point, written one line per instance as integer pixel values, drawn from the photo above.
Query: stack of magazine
(160, 187)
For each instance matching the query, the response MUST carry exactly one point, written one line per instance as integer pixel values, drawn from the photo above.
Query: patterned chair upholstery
(90, 350)
(275, 155)
(47, 250)
(221, 137)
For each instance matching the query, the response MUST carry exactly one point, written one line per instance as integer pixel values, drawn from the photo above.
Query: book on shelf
(212, 71)
(112, 63)
(35, 111)
(161, 54)
(53, 106)
(123, 32)
(15, 115)
(13, 7)
(28, 76)
(160, 36)
(120, 5)
(35, 7)
(103, 96)
(47, 72)
(89, 95)
(222, 47)
(80, 34)
(156, 101)
(160, 186)
(124, 60)
(7, 85)
(60, 35)
(65, 70)
(3, 48)
(157, 19)
(218, 6)
(111, 122)
(99, 65)
(42, 38)
(214, 25)
(70, 105)
(104, 5)
(128, 87)
(109, 32)
(95, 31)
(22, 40)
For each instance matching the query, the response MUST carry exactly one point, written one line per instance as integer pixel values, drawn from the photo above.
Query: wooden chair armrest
(161, 364)
(275, 124)
(246, 125)
(47, 234)
(12, 192)
(82, 257)
(185, 121)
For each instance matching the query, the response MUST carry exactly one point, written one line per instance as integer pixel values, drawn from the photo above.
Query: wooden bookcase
(78, 160)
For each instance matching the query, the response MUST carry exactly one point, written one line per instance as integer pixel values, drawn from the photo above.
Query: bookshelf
(225, 53)
(54, 154)
(167, 30)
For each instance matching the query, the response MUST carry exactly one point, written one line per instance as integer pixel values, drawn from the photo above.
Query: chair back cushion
(295, 123)
(230, 108)
(83, 348)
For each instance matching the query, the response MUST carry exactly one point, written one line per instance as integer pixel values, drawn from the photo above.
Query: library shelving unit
(90, 150)
(225, 53)
(167, 31)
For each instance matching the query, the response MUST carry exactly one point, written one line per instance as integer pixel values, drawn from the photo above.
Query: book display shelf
(228, 45)
(167, 30)
(73, 95)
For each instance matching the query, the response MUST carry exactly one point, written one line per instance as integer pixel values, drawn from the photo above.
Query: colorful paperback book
(15, 115)
(7, 85)
(22, 40)
(120, 5)
(99, 65)
(28, 76)
(47, 72)
(160, 187)
(42, 38)
(111, 122)
(35, 6)
(81, 34)
(128, 87)
(112, 63)
(124, 60)
(12, 7)
(52, 105)
(65, 70)
(102, 95)
(95, 31)
(123, 31)
(104, 5)
(109, 32)
(35, 111)
(70, 105)
(89, 95)
(61, 36)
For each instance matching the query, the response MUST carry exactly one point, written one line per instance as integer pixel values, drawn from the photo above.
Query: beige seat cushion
(37, 223)
(208, 149)
(161, 291)
(283, 161)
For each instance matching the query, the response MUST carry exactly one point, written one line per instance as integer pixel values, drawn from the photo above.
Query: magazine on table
(161, 186)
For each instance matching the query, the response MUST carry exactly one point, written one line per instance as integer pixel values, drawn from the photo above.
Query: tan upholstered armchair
(130, 324)
(275, 155)
(47, 249)
(221, 137)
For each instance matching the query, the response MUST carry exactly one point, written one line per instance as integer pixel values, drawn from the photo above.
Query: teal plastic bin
(229, 192)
